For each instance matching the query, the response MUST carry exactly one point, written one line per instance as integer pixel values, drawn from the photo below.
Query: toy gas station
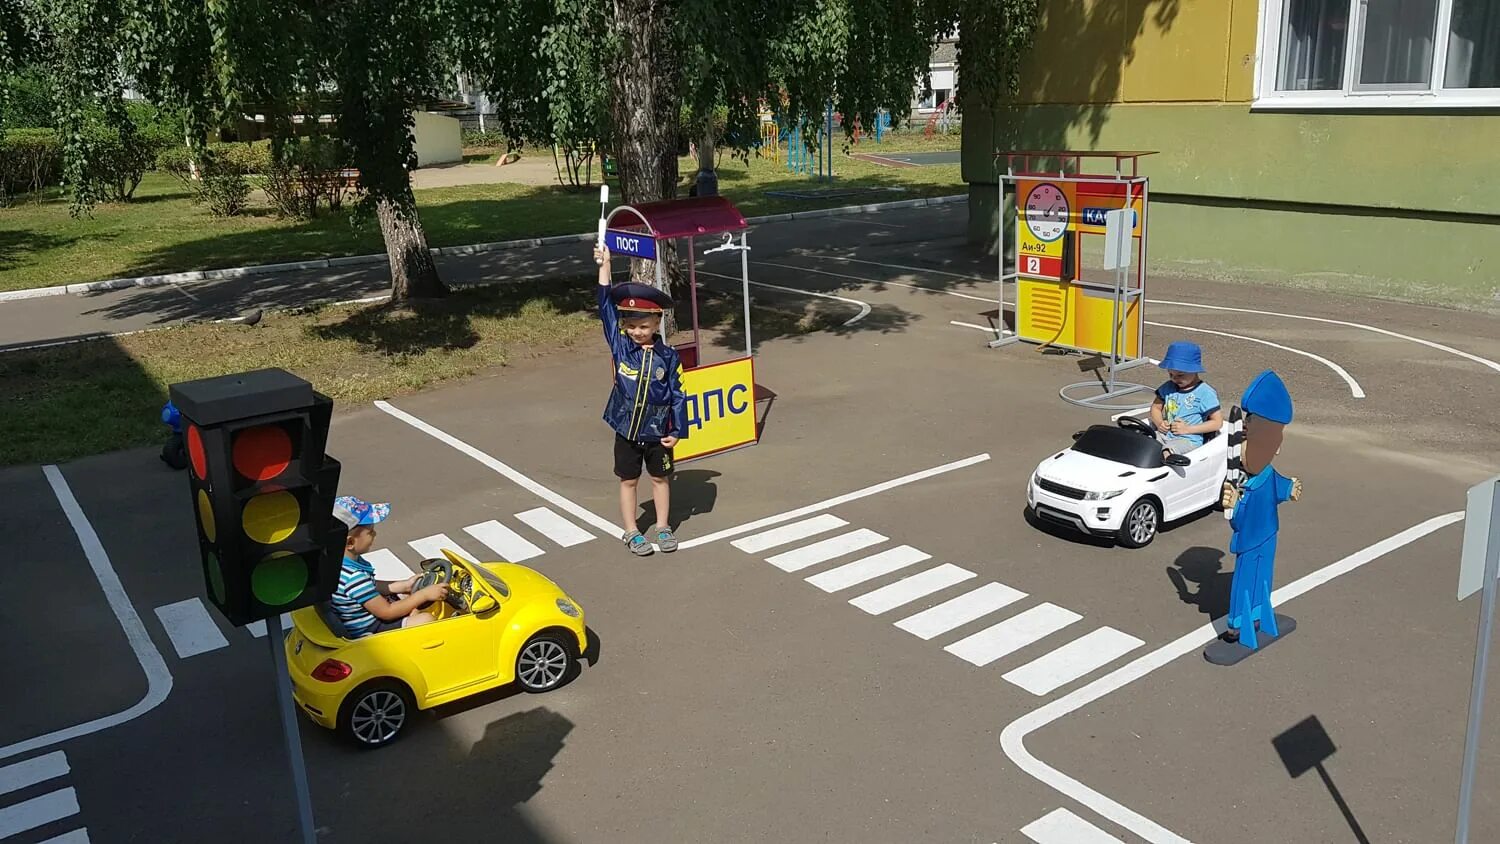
(721, 395)
(1078, 262)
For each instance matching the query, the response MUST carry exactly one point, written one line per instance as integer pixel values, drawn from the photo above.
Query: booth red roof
(691, 217)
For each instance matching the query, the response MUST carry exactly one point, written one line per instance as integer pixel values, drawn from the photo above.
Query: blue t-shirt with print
(1192, 407)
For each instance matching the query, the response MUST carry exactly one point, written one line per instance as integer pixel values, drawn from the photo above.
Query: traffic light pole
(277, 638)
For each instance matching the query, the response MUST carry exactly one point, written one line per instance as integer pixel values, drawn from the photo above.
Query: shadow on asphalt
(1203, 568)
(693, 494)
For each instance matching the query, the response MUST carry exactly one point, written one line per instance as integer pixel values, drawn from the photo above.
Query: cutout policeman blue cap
(1183, 356)
(639, 298)
(1268, 398)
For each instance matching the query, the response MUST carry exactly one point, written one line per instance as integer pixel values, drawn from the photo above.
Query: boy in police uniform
(647, 408)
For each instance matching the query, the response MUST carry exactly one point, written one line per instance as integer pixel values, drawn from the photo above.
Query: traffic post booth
(1079, 261)
(721, 396)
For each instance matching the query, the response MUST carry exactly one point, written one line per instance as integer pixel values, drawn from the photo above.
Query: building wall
(1392, 203)
(438, 139)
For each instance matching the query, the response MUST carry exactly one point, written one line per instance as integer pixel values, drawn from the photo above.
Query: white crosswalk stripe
(511, 546)
(555, 527)
(1012, 634)
(258, 628)
(431, 547)
(788, 533)
(77, 836)
(959, 611)
(1061, 826)
(42, 809)
(190, 627)
(909, 589)
(1073, 660)
(822, 552)
(388, 566)
(869, 568)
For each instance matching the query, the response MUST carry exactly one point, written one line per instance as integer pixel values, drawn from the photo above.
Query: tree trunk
(708, 178)
(641, 95)
(414, 274)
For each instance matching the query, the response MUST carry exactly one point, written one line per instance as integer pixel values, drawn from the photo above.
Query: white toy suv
(1115, 481)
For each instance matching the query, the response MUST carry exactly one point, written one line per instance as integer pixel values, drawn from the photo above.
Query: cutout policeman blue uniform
(1254, 525)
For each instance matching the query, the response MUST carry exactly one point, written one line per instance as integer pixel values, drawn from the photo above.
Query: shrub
(225, 193)
(307, 175)
(30, 159)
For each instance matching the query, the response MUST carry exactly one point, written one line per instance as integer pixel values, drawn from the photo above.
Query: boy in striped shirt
(363, 605)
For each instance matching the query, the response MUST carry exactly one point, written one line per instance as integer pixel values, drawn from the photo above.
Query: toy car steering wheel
(1137, 424)
(436, 571)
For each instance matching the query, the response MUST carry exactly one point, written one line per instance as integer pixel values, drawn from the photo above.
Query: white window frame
(1352, 96)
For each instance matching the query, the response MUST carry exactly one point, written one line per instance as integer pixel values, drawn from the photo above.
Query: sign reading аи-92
(720, 408)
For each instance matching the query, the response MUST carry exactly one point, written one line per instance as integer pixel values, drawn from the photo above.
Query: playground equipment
(1064, 300)
(800, 156)
(721, 396)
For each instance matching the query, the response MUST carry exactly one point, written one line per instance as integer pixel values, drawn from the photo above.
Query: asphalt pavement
(782, 677)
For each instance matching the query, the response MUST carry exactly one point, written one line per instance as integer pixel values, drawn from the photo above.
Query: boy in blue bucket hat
(1185, 407)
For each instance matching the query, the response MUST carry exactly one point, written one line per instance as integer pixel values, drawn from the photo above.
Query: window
(1379, 54)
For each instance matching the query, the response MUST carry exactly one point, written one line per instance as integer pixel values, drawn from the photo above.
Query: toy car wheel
(1140, 524)
(374, 715)
(543, 663)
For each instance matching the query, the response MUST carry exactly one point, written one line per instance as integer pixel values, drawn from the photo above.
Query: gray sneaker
(638, 544)
(664, 539)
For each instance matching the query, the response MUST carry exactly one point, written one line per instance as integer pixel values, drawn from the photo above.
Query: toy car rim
(542, 664)
(378, 717)
(1140, 522)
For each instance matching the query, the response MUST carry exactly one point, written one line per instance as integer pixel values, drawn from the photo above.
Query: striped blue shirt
(356, 586)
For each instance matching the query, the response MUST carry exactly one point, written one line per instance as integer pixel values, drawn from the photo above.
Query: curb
(470, 249)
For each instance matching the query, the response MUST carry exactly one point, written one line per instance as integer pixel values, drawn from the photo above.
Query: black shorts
(629, 456)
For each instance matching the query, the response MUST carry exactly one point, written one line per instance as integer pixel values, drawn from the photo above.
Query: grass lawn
(163, 231)
(87, 398)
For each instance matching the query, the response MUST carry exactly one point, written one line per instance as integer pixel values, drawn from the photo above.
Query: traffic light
(262, 491)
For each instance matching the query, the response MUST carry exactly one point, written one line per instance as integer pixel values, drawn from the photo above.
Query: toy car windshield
(1108, 442)
(493, 580)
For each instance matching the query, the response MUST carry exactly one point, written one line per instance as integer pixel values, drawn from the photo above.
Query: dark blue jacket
(642, 409)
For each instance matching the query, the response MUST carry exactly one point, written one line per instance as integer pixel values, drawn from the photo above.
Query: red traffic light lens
(263, 452)
(195, 453)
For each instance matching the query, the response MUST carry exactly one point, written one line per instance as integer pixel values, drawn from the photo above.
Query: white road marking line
(431, 547)
(877, 281)
(258, 628)
(1354, 388)
(77, 836)
(38, 811)
(599, 523)
(1061, 826)
(869, 568)
(788, 533)
(1013, 737)
(555, 527)
(388, 566)
(959, 611)
(1073, 660)
(158, 677)
(511, 546)
(32, 771)
(834, 502)
(190, 628)
(981, 279)
(1012, 634)
(864, 308)
(821, 552)
(867, 222)
(1439, 346)
(909, 589)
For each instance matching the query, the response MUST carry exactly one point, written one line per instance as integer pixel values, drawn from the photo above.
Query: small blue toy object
(1267, 408)
(173, 453)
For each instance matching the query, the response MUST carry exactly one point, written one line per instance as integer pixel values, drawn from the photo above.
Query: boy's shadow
(1202, 567)
(692, 493)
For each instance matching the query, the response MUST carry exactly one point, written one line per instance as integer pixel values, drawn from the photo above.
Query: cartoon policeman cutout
(1268, 410)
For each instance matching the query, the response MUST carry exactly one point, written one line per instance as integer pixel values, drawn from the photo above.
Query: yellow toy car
(500, 623)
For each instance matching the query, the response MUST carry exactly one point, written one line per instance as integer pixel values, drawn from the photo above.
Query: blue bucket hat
(1183, 356)
(354, 512)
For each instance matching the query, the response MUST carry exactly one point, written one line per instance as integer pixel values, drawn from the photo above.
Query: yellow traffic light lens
(206, 516)
(271, 518)
(279, 579)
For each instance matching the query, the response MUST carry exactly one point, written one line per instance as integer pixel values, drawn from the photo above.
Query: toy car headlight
(567, 608)
(1102, 496)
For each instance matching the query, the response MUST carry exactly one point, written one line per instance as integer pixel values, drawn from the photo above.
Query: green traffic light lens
(279, 579)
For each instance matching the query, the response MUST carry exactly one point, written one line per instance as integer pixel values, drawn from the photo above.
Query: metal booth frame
(1128, 286)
